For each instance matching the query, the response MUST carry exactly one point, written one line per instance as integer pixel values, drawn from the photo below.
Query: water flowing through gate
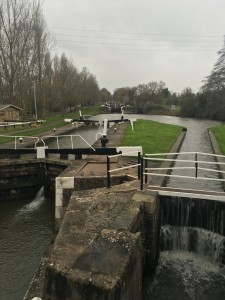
(192, 241)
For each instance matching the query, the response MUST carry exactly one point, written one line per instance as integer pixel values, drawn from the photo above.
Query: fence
(191, 164)
(70, 138)
(135, 152)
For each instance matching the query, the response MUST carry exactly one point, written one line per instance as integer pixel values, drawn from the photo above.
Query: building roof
(4, 106)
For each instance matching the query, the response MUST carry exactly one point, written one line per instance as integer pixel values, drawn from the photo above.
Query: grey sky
(131, 42)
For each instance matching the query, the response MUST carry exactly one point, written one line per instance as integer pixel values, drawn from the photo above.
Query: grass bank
(219, 133)
(154, 137)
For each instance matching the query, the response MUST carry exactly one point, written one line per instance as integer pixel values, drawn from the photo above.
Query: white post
(132, 124)
(105, 127)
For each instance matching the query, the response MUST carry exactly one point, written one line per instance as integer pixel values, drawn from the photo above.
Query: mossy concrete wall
(104, 245)
(21, 179)
(70, 180)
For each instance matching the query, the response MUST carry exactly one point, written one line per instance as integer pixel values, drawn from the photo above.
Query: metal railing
(129, 153)
(5, 125)
(192, 164)
(70, 137)
(21, 139)
(24, 139)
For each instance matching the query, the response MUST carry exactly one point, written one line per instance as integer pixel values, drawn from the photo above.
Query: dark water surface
(27, 227)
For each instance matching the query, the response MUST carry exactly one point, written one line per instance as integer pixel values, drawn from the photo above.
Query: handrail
(123, 168)
(148, 170)
(13, 124)
(20, 138)
(186, 160)
(181, 153)
(71, 139)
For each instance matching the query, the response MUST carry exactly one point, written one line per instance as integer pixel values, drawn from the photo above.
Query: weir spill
(35, 204)
(192, 254)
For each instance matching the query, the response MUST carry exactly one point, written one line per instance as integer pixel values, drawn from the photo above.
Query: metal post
(105, 127)
(139, 164)
(108, 172)
(196, 165)
(146, 166)
(142, 186)
(71, 138)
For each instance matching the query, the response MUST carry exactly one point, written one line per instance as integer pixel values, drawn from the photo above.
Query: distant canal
(27, 227)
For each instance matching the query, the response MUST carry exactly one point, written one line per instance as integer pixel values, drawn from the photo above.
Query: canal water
(27, 227)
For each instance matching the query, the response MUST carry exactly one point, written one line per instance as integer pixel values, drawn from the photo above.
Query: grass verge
(219, 133)
(154, 137)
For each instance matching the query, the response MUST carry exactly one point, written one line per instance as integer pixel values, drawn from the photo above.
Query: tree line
(152, 97)
(29, 72)
(155, 97)
(209, 102)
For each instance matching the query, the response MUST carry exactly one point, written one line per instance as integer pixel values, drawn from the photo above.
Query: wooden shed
(10, 112)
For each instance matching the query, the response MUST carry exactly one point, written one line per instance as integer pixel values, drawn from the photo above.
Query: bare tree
(15, 32)
(88, 89)
(43, 44)
(24, 43)
(215, 82)
(29, 76)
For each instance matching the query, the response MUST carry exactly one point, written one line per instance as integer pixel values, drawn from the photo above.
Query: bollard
(104, 140)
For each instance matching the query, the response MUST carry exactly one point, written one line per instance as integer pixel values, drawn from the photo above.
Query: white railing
(14, 124)
(22, 139)
(134, 151)
(25, 139)
(68, 137)
(194, 163)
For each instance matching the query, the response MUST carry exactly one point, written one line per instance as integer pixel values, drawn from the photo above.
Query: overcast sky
(130, 42)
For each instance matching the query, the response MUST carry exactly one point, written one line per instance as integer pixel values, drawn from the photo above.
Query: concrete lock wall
(20, 180)
(23, 179)
(107, 241)
(66, 185)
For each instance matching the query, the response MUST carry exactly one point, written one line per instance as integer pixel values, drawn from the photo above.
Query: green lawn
(154, 137)
(219, 133)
